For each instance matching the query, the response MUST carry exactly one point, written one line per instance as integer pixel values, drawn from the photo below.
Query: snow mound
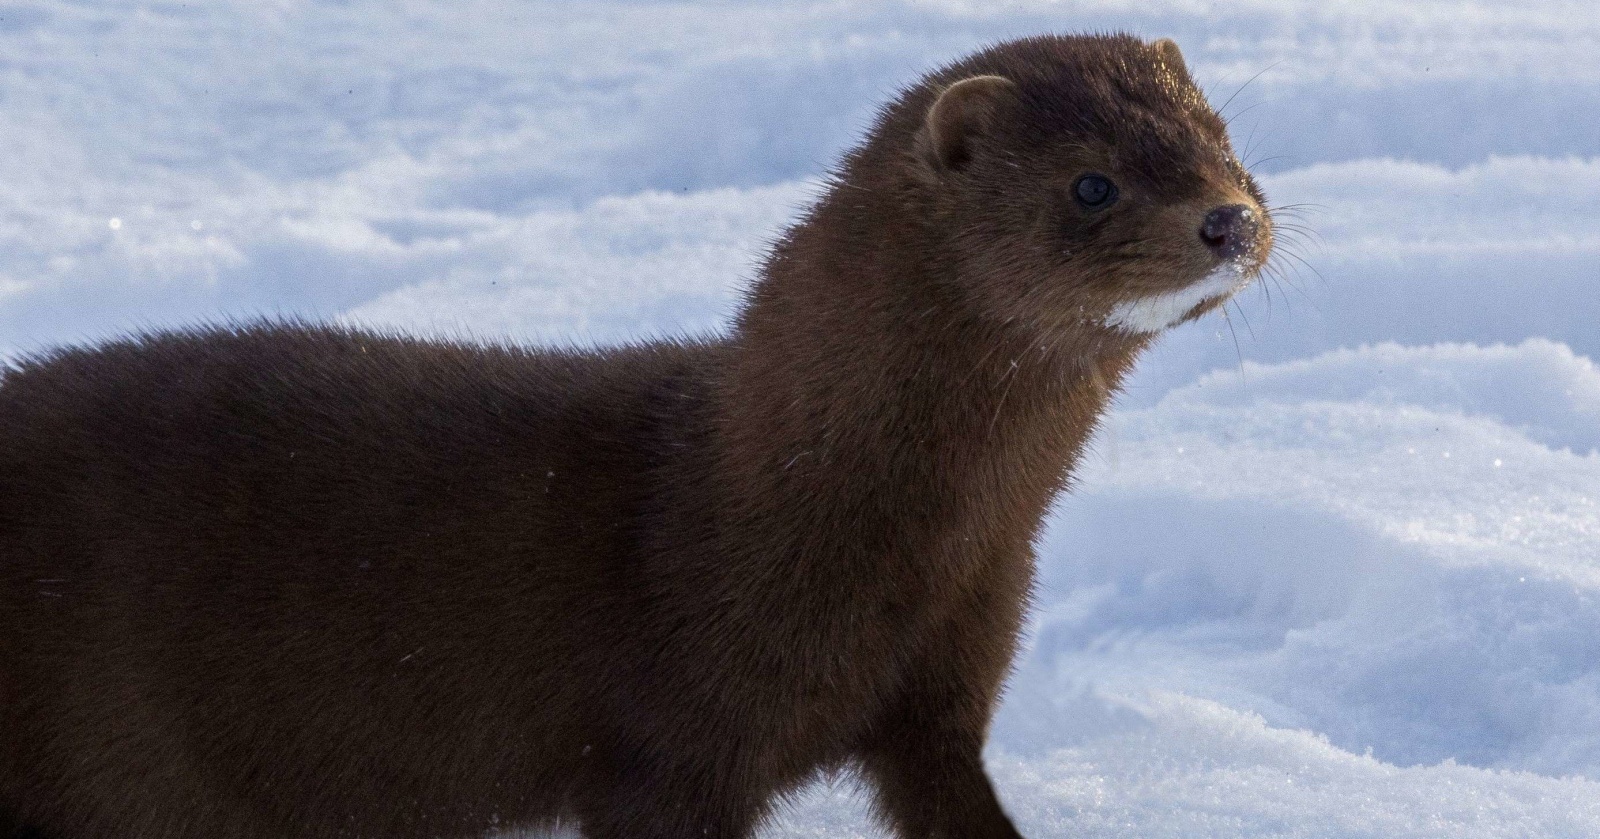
(1200, 769)
(1350, 595)
(1195, 768)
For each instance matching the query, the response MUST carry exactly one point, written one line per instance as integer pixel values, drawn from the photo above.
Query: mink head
(1082, 182)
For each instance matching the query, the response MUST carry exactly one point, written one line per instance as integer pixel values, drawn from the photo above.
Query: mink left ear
(962, 114)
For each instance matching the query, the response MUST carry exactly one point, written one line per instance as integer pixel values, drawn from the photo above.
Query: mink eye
(1095, 192)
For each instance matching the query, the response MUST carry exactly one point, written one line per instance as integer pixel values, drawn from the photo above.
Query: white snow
(1333, 567)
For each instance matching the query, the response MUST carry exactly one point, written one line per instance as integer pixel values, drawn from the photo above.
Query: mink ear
(964, 111)
(1168, 49)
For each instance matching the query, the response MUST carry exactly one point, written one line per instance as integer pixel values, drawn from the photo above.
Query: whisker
(1245, 85)
(1228, 121)
(1279, 275)
(1312, 268)
(1011, 380)
(1257, 145)
(1266, 291)
(1266, 284)
(1276, 276)
(1302, 234)
(1248, 327)
(1237, 353)
(1303, 205)
(1264, 161)
(978, 368)
(1248, 143)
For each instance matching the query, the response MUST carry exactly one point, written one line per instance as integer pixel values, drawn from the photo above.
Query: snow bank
(1333, 569)
(1351, 595)
(1199, 769)
(169, 163)
(1372, 544)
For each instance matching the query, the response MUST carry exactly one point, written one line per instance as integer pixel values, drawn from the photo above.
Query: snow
(1332, 567)
(1398, 563)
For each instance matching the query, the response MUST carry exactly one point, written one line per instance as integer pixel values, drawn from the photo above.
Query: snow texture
(1333, 567)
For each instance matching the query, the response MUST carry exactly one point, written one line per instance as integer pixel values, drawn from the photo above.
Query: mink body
(282, 580)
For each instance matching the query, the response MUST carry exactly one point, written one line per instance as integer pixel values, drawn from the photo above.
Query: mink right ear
(1169, 52)
(963, 112)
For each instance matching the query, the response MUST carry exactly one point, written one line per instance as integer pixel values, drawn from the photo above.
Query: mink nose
(1230, 230)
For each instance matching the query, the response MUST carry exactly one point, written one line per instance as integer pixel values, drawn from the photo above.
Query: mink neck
(866, 387)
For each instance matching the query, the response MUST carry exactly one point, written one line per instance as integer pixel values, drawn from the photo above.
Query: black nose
(1230, 230)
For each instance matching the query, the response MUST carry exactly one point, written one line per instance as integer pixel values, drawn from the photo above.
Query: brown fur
(284, 580)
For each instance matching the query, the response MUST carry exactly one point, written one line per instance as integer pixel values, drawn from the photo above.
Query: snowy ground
(1340, 580)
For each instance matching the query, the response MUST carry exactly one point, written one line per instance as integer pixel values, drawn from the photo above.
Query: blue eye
(1095, 192)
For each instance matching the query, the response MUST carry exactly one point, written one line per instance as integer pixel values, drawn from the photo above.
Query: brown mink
(284, 580)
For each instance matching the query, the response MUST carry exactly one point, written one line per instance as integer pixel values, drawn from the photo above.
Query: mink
(281, 579)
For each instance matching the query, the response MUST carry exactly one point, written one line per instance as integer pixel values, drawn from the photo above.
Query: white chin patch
(1157, 312)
